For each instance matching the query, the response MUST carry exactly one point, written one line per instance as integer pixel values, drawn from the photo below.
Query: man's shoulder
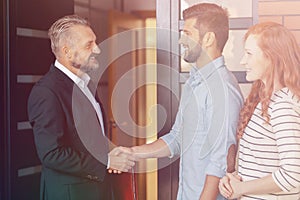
(52, 85)
(226, 74)
(46, 87)
(52, 79)
(230, 83)
(228, 77)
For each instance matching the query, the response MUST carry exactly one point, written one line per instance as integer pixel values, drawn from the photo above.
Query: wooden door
(26, 57)
(126, 102)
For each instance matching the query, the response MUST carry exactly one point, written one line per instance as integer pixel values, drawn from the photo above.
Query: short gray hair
(61, 26)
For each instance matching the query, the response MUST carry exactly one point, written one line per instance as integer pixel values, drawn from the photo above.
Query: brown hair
(210, 18)
(280, 47)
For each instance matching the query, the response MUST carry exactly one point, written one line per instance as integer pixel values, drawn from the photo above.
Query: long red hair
(283, 53)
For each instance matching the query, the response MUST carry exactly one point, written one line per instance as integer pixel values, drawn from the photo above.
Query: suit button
(89, 177)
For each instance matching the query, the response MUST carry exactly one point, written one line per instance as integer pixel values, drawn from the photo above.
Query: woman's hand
(229, 186)
(225, 187)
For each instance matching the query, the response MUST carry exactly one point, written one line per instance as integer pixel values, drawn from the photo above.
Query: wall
(132, 5)
(285, 12)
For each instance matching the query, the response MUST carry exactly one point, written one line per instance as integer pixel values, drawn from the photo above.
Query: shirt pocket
(194, 114)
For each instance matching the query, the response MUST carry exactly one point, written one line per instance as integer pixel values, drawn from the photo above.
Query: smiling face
(254, 60)
(190, 40)
(83, 49)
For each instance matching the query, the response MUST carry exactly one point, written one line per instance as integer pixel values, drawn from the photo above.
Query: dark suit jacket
(68, 139)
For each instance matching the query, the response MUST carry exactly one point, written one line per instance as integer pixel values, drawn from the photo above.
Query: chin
(90, 67)
(190, 59)
(250, 78)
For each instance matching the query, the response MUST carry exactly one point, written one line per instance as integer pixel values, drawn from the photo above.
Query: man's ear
(66, 52)
(209, 39)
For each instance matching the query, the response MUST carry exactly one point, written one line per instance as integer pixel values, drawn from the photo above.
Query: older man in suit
(67, 119)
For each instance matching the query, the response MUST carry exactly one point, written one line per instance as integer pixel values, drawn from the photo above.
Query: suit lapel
(88, 126)
(85, 118)
(94, 91)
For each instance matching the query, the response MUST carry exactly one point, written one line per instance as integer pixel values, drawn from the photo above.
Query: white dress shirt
(82, 83)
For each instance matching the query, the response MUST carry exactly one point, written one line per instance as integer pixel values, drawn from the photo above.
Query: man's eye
(187, 33)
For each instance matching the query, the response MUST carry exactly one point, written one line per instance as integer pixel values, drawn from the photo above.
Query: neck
(277, 85)
(72, 69)
(207, 57)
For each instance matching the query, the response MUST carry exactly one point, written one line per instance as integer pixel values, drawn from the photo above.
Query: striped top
(274, 147)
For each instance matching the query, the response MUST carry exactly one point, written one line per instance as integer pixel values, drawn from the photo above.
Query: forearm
(70, 161)
(259, 186)
(156, 149)
(210, 190)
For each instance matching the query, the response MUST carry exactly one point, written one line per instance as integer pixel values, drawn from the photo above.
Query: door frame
(167, 19)
(129, 22)
(5, 162)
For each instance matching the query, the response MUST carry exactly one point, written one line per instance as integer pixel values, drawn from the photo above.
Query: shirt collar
(197, 75)
(81, 82)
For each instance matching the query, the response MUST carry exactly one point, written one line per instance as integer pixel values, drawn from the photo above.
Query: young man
(205, 128)
(67, 118)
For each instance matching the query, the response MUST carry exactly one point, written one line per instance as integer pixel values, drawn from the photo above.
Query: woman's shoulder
(284, 100)
(285, 94)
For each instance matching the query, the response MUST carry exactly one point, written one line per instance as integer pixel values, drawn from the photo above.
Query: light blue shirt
(205, 126)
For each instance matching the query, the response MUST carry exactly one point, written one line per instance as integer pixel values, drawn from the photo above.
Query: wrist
(243, 188)
(108, 161)
(136, 151)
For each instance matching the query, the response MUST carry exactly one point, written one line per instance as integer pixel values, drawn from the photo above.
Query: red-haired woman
(269, 126)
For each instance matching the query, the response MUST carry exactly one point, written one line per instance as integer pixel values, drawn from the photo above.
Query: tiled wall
(286, 12)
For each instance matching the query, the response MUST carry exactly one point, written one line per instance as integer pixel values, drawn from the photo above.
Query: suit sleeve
(49, 126)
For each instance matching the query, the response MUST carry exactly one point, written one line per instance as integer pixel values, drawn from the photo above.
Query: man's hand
(121, 160)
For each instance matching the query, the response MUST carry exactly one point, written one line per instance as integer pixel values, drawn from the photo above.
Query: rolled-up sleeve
(285, 120)
(173, 138)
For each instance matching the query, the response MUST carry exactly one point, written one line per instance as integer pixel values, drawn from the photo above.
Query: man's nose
(181, 40)
(96, 49)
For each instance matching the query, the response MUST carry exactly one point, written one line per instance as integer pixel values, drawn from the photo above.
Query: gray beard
(88, 67)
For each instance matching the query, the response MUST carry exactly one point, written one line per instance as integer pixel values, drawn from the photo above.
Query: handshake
(122, 159)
